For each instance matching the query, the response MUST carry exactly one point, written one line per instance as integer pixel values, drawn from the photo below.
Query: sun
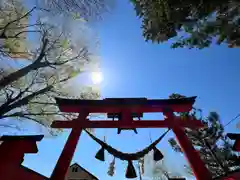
(96, 77)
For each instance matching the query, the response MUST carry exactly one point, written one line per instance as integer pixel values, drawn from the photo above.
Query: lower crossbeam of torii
(126, 107)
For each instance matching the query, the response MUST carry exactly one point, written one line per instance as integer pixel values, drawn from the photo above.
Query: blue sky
(135, 68)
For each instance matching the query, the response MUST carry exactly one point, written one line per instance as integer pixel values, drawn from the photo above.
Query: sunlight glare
(96, 77)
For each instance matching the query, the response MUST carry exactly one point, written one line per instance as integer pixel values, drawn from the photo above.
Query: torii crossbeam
(128, 106)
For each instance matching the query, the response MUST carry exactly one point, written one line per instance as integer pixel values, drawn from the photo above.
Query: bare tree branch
(25, 26)
(82, 54)
(20, 114)
(43, 103)
(9, 96)
(20, 94)
(10, 126)
(43, 50)
(3, 35)
(25, 70)
(24, 100)
(25, 97)
(17, 35)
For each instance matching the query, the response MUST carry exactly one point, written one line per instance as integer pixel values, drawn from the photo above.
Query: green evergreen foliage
(211, 142)
(192, 23)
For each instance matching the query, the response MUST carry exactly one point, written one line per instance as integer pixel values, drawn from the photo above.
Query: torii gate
(127, 107)
(12, 151)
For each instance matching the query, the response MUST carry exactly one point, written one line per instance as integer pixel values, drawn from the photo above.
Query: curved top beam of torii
(127, 106)
(137, 105)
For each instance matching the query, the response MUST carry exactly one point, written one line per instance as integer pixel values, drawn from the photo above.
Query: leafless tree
(54, 59)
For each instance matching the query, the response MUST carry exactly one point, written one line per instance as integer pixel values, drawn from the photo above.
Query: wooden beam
(115, 109)
(18, 138)
(133, 124)
(135, 106)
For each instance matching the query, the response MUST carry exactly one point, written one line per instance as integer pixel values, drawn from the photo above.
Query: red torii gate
(12, 151)
(128, 106)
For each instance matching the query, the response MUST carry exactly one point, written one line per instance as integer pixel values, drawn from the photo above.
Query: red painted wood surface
(236, 146)
(236, 138)
(233, 176)
(12, 153)
(134, 105)
(10, 158)
(25, 173)
(193, 157)
(66, 156)
(126, 107)
(129, 124)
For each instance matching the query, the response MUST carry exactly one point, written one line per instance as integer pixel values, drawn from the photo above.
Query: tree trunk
(25, 70)
(17, 75)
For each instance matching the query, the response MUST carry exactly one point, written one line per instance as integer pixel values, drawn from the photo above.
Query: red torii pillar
(12, 152)
(65, 158)
(199, 169)
(126, 106)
